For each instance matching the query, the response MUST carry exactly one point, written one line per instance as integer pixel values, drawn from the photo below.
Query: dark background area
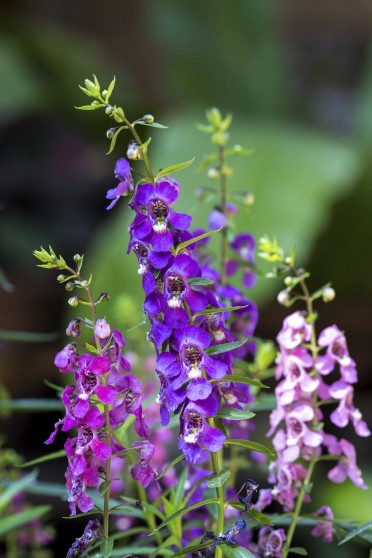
(297, 77)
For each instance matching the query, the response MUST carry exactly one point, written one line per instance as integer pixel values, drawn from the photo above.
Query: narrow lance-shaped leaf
(185, 510)
(34, 405)
(225, 347)
(106, 547)
(196, 239)
(235, 551)
(356, 532)
(234, 414)
(298, 550)
(253, 446)
(14, 488)
(114, 139)
(191, 549)
(171, 464)
(43, 458)
(15, 521)
(219, 310)
(240, 380)
(173, 168)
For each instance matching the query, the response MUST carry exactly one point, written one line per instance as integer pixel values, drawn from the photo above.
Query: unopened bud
(77, 258)
(133, 151)
(85, 284)
(288, 281)
(61, 278)
(148, 118)
(248, 198)
(283, 298)
(69, 286)
(213, 173)
(109, 109)
(73, 301)
(110, 133)
(104, 92)
(328, 294)
(288, 261)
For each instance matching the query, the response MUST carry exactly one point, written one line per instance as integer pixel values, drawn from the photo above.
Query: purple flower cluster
(182, 340)
(297, 420)
(100, 380)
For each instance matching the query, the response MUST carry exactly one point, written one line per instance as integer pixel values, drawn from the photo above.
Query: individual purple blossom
(244, 247)
(154, 214)
(346, 411)
(114, 353)
(88, 383)
(196, 433)
(125, 186)
(66, 359)
(102, 329)
(324, 527)
(347, 466)
(288, 480)
(337, 351)
(270, 542)
(77, 485)
(90, 433)
(74, 328)
(296, 380)
(129, 392)
(143, 471)
(177, 290)
(217, 219)
(92, 532)
(295, 331)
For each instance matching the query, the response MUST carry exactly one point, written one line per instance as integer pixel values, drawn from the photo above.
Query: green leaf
(133, 551)
(356, 532)
(104, 487)
(114, 139)
(13, 522)
(171, 464)
(173, 168)
(90, 107)
(14, 488)
(143, 147)
(152, 125)
(190, 549)
(180, 487)
(235, 551)
(199, 281)
(33, 405)
(259, 516)
(219, 480)
(106, 547)
(234, 414)
(241, 380)
(265, 403)
(225, 347)
(170, 541)
(185, 510)
(43, 458)
(196, 239)
(110, 89)
(298, 550)
(254, 446)
(219, 310)
(91, 348)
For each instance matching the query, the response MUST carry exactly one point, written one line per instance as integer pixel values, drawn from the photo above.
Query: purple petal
(215, 368)
(145, 192)
(212, 438)
(159, 260)
(180, 221)
(166, 192)
(122, 169)
(168, 365)
(196, 300)
(105, 394)
(162, 242)
(176, 318)
(198, 389)
(216, 219)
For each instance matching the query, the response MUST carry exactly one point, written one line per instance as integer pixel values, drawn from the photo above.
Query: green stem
(144, 152)
(223, 201)
(217, 460)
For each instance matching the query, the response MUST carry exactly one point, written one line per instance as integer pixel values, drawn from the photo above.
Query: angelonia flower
(297, 421)
(181, 289)
(99, 380)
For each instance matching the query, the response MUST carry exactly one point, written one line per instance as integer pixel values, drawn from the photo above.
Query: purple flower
(90, 433)
(346, 411)
(347, 467)
(142, 471)
(154, 214)
(129, 402)
(125, 186)
(217, 219)
(295, 331)
(323, 528)
(196, 432)
(92, 532)
(270, 542)
(66, 359)
(337, 351)
(244, 246)
(88, 383)
(102, 328)
(77, 485)
(177, 290)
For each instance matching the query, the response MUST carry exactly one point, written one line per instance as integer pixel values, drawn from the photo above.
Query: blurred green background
(297, 77)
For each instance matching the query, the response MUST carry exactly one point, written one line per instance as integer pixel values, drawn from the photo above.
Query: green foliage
(235, 551)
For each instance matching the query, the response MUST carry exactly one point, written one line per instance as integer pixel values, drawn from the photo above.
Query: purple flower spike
(177, 289)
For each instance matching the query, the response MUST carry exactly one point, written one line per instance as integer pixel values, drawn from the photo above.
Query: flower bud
(248, 198)
(148, 118)
(77, 258)
(283, 298)
(102, 328)
(74, 328)
(288, 281)
(73, 301)
(213, 173)
(328, 294)
(133, 151)
(69, 286)
(104, 92)
(85, 284)
(61, 278)
(110, 133)
(109, 109)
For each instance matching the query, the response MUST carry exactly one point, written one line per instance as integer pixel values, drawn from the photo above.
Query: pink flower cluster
(301, 394)
(100, 380)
